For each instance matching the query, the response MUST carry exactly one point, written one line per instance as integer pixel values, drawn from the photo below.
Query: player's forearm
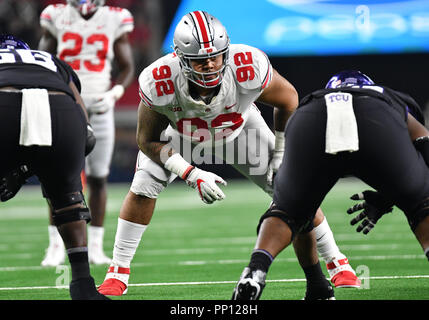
(150, 125)
(281, 116)
(124, 58)
(158, 152)
(126, 76)
(47, 42)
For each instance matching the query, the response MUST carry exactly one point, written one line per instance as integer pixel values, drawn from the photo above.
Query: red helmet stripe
(202, 28)
(128, 20)
(45, 16)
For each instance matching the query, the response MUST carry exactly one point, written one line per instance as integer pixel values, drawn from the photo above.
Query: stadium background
(404, 69)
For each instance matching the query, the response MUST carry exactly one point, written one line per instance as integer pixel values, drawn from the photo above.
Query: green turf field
(193, 251)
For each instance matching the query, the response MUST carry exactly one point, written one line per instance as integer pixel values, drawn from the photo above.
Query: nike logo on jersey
(229, 107)
(225, 124)
(101, 27)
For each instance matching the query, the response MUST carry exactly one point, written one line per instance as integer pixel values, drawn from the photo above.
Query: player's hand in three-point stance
(205, 183)
(374, 207)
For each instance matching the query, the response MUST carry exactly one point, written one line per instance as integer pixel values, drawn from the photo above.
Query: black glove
(374, 207)
(13, 181)
(90, 140)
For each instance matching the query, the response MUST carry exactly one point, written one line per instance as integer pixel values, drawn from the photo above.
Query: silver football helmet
(86, 6)
(200, 35)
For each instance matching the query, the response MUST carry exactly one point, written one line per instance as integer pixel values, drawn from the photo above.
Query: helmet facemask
(86, 7)
(203, 79)
(200, 36)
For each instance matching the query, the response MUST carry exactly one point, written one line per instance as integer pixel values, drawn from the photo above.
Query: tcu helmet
(200, 35)
(348, 78)
(8, 41)
(86, 6)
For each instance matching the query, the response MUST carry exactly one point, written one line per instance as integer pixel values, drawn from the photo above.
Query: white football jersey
(87, 45)
(164, 88)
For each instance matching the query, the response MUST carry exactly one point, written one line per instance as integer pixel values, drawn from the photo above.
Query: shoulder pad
(123, 18)
(156, 82)
(250, 66)
(411, 105)
(49, 16)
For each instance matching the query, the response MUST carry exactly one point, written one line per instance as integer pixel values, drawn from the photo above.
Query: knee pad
(418, 214)
(71, 215)
(145, 184)
(295, 225)
(66, 200)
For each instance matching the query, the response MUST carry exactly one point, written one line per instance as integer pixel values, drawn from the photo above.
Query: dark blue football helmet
(8, 41)
(348, 78)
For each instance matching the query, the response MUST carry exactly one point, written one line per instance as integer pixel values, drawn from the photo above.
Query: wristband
(178, 165)
(118, 91)
(279, 144)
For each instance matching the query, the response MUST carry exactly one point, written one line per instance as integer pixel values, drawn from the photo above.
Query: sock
(427, 253)
(78, 257)
(314, 274)
(260, 259)
(127, 239)
(326, 245)
(95, 236)
(54, 236)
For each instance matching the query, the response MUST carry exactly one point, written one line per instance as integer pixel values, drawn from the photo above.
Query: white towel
(35, 118)
(341, 126)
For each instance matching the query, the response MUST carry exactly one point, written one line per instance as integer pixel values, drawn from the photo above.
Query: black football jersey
(399, 101)
(35, 69)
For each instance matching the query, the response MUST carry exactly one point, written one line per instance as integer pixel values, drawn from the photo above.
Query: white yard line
(225, 261)
(196, 283)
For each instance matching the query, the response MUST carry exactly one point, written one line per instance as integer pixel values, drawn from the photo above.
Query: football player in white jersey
(201, 97)
(88, 36)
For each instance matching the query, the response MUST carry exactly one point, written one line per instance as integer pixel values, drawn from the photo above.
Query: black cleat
(250, 285)
(320, 292)
(84, 289)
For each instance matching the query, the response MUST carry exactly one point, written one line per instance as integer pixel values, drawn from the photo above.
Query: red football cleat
(116, 281)
(342, 274)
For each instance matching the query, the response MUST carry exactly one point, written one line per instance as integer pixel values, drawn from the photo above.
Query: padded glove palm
(13, 181)
(205, 183)
(374, 207)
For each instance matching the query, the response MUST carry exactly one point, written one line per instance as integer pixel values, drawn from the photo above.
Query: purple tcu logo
(339, 97)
